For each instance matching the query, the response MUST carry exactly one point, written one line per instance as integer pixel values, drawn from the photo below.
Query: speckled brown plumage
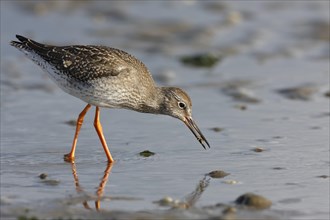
(84, 62)
(108, 77)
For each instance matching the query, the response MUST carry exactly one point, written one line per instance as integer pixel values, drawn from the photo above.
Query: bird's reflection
(188, 201)
(100, 188)
(192, 198)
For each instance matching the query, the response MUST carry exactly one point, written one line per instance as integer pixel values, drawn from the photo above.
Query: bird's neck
(156, 102)
(162, 99)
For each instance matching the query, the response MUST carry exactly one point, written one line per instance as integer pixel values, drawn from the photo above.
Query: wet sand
(258, 75)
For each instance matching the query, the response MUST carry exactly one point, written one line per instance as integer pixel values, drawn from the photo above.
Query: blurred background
(164, 33)
(258, 75)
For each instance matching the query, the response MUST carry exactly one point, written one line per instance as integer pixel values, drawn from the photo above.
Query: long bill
(195, 130)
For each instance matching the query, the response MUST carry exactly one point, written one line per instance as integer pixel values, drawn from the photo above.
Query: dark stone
(146, 153)
(218, 174)
(43, 176)
(253, 201)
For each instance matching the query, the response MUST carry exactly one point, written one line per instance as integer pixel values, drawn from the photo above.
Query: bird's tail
(26, 44)
(22, 44)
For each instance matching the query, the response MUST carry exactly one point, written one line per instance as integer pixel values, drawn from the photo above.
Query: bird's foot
(68, 158)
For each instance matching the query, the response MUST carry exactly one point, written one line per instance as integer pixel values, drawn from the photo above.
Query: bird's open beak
(195, 130)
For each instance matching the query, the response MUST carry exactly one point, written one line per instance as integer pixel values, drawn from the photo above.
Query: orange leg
(70, 156)
(99, 131)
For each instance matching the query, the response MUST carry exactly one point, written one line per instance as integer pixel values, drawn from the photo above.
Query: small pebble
(241, 107)
(254, 201)
(327, 94)
(323, 176)
(216, 129)
(201, 60)
(258, 149)
(322, 115)
(166, 201)
(43, 176)
(71, 122)
(218, 174)
(169, 202)
(146, 153)
(292, 184)
(315, 127)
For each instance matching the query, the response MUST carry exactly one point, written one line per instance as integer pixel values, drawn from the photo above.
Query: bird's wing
(90, 62)
(83, 62)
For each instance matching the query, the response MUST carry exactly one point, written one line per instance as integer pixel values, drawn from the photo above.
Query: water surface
(265, 47)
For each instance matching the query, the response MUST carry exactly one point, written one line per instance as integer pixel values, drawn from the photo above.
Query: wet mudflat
(258, 75)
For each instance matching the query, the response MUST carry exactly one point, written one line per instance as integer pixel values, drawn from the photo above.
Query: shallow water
(284, 45)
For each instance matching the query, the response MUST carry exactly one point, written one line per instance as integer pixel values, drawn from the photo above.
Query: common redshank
(107, 77)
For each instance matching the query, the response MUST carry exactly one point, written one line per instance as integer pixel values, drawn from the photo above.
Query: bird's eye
(182, 105)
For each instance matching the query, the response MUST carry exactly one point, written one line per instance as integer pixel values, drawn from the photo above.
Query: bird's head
(177, 104)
